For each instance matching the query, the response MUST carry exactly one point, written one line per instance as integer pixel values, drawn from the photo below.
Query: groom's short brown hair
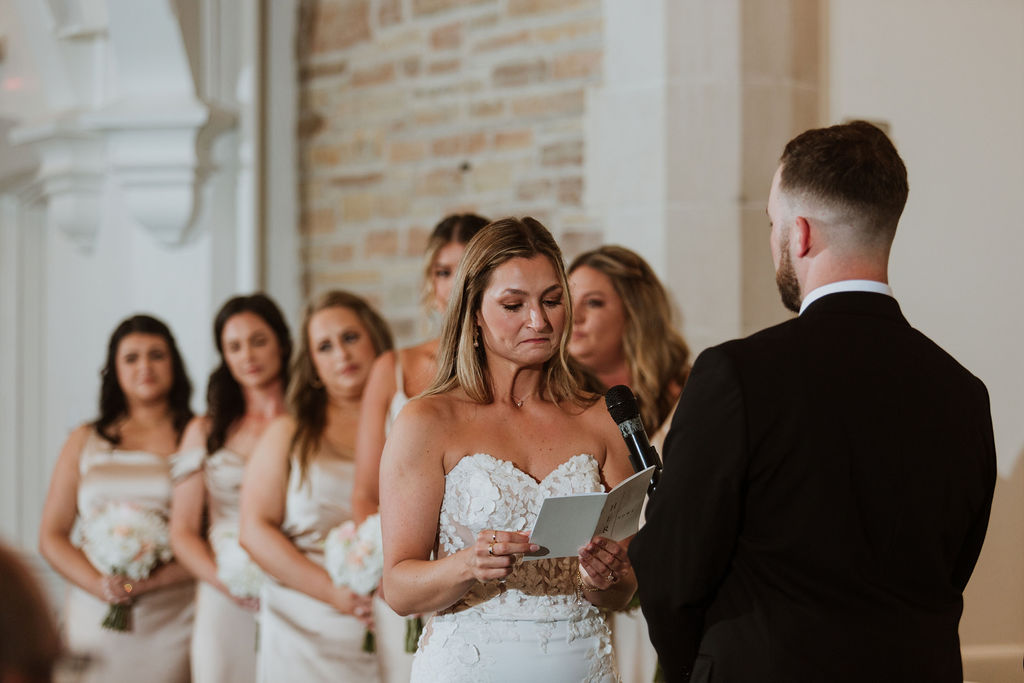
(852, 166)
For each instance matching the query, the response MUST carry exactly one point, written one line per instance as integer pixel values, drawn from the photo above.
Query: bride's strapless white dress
(532, 626)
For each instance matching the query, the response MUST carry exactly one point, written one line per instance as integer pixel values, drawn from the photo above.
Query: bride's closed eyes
(550, 303)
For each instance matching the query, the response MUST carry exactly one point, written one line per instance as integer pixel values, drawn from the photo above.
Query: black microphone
(624, 409)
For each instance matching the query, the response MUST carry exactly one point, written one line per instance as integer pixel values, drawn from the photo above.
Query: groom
(827, 481)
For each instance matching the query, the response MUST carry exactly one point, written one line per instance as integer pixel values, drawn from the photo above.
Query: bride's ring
(611, 577)
(127, 588)
(490, 549)
(494, 537)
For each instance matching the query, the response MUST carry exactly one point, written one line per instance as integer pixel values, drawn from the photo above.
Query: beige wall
(948, 77)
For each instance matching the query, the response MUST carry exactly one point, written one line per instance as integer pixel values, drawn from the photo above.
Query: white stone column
(683, 137)
(23, 469)
(625, 129)
(278, 181)
(663, 162)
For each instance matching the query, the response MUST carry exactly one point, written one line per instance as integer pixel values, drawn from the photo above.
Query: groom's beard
(785, 280)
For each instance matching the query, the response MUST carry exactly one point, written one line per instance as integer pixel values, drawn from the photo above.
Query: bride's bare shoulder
(589, 409)
(598, 421)
(427, 414)
(421, 434)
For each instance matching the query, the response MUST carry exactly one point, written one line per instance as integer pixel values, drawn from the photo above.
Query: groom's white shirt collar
(845, 286)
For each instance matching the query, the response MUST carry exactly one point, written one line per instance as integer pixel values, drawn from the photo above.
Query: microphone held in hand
(624, 409)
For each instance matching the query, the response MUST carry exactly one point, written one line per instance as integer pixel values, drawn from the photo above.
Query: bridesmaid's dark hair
(224, 399)
(114, 406)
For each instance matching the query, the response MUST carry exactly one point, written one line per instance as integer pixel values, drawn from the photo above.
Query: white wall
(948, 77)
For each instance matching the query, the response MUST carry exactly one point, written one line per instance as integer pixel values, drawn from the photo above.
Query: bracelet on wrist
(584, 587)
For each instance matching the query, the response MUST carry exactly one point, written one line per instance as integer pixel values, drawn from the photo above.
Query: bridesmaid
(245, 393)
(395, 377)
(297, 487)
(623, 334)
(124, 455)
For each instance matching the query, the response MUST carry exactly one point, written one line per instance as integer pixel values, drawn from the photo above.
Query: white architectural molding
(131, 112)
(74, 19)
(69, 178)
(157, 153)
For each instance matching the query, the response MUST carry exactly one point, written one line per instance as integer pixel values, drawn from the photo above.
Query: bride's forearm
(422, 586)
(614, 598)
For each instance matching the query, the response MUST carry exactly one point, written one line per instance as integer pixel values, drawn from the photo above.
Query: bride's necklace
(518, 402)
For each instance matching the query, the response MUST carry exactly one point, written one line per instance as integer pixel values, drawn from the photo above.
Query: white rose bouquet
(354, 557)
(240, 575)
(124, 539)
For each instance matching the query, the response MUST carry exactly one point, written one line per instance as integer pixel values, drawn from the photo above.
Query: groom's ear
(801, 237)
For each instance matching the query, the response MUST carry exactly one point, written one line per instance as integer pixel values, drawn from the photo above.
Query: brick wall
(413, 109)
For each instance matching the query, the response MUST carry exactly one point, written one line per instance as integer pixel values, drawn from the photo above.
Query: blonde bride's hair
(462, 365)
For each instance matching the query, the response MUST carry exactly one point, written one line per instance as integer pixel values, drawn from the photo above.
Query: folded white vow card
(567, 523)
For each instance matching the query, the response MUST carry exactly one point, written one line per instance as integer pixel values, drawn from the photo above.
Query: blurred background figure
(124, 456)
(245, 393)
(395, 378)
(623, 334)
(29, 644)
(298, 486)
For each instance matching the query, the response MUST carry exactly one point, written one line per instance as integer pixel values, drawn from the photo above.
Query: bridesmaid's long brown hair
(307, 398)
(224, 398)
(656, 352)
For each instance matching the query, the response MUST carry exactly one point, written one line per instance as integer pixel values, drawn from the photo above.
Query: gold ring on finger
(127, 588)
(494, 537)
(490, 549)
(611, 577)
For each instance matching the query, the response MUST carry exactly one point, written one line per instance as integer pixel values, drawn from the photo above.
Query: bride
(468, 464)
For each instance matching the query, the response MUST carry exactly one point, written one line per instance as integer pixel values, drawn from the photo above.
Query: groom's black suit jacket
(826, 491)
